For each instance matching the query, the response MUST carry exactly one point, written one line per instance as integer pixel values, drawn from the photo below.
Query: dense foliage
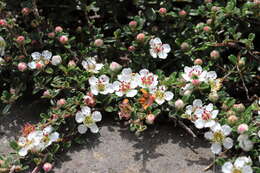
(195, 63)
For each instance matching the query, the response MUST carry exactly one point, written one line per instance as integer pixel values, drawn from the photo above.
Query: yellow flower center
(159, 94)
(236, 171)
(101, 87)
(88, 120)
(218, 137)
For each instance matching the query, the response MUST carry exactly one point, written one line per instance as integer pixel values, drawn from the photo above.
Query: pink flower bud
(47, 167)
(39, 66)
(132, 24)
(185, 46)
(90, 100)
(51, 34)
(72, 63)
(3, 22)
(239, 107)
(207, 28)
(20, 39)
(22, 66)
(214, 54)
(131, 48)
(198, 61)
(195, 82)
(182, 13)
(179, 104)
(162, 11)
(79, 29)
(61, 102)
(99, 42)
(46, 93)
(26, 11)
(114, 66)
(213, 97)
(58, 29)
(209, 21)
(63, 39)
(232, 119)
(208, 1)
(140, 37)
(242, 128)
(215, 8)
(187, 93)
(12, 91)
(150, 119)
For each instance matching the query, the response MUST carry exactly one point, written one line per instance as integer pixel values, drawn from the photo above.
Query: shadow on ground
(160, 149)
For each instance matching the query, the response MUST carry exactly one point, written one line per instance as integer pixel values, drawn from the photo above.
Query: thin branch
(187, 129)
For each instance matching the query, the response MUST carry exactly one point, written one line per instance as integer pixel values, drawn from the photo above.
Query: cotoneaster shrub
(139, 61)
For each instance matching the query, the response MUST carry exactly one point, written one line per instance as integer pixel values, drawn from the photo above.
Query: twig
(187, 129)
(210, 166)
(213, 162)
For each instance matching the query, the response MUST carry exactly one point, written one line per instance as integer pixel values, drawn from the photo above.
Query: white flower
(159, 49)
(91, 65)
(241, 165)
(2, 46)
(56, 60)
(49, 137)
(88, 119)
(100, 85)
(205, 116)
(218, 137)
(244, 142)
(126, 84)
(30, 142)
(40, 58)
(190, 109)
(194, 73)
(147, 79)
(161, 94)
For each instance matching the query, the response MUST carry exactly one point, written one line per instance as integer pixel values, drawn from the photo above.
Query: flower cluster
(37, 140)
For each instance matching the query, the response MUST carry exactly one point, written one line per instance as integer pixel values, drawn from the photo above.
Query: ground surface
(161, 149)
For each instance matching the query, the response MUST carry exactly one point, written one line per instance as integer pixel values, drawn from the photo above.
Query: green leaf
(14, 145)
(157, 112)
(233, 59)
(6, 109)
(109, 109)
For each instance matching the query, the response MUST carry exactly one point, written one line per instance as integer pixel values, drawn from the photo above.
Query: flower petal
(226, 130)
(131, 93)
(94, 128)
(82, 129)
(97, 116)
(79, 117)
(166, 48)
(23, 152)
(36, 55)
(47, 54)
(197, 103)
(86, 110)
(227, 167)
(153, 53)
(162, 55)
(228, 143)
(199, 123)
(216, 148)
(208, 135)
(168, 95)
